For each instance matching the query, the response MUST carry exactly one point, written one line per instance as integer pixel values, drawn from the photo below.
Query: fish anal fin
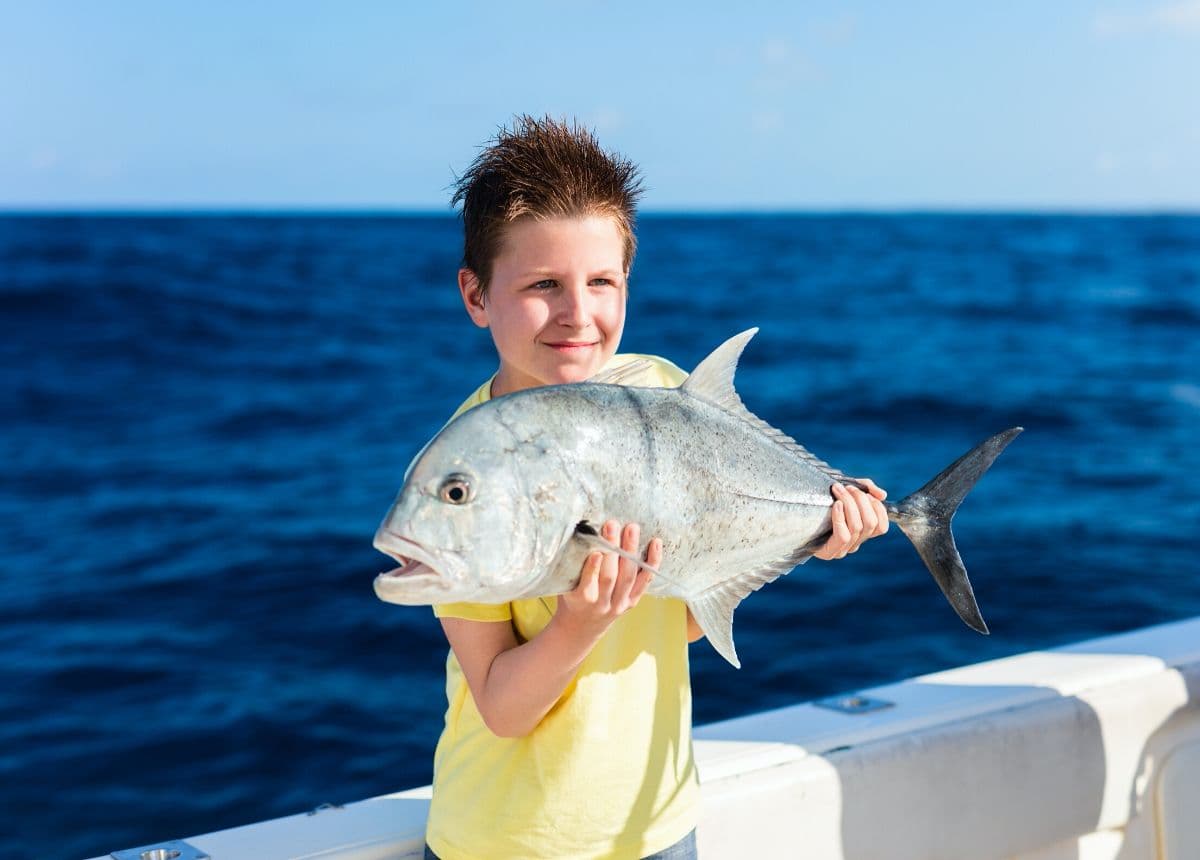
(712, 381)
(713, 611)
(713, 608)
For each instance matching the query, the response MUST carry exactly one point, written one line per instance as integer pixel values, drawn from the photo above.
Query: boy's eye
(550, 283)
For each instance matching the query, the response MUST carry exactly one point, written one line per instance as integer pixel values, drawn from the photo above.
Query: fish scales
(684, 470)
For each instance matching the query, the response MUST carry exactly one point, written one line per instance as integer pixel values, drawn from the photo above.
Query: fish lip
(404, 550)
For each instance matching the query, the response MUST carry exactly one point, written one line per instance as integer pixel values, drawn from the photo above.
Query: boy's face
(556, 302)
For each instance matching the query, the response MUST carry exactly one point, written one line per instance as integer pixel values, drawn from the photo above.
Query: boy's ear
(472, 296)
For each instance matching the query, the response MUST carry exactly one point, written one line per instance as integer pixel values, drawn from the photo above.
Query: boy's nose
(573, 310)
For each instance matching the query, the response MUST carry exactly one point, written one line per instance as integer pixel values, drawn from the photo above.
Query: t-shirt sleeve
(474, 611)
(659, 373)
(670, 376)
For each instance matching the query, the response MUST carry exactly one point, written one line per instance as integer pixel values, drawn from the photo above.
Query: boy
(568, 731)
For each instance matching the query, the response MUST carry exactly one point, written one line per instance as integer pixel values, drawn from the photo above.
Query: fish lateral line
(823, 500)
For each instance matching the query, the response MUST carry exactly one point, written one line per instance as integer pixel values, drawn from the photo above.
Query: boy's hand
(515, 684)
(856, 517)
(609, 586)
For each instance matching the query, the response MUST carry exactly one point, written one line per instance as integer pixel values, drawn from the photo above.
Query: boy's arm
(694, 633)
(515, 684)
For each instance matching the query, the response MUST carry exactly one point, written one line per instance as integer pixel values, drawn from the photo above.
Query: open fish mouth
(409, 567)
(415, 562)
(418, 581)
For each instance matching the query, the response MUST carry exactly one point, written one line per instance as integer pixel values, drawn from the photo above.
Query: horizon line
(332, 210)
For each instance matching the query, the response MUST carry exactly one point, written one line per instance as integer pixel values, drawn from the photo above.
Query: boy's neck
(507, 381)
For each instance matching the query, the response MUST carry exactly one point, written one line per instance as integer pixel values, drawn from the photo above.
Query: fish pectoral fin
(590, 535)
(713, 608)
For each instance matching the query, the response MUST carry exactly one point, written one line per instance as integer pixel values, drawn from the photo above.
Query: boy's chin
(570, 371)
(566, 376)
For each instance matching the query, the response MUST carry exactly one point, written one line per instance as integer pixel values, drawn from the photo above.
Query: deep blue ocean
(206, 417)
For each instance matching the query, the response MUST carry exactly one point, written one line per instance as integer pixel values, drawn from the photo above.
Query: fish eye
(456, 490)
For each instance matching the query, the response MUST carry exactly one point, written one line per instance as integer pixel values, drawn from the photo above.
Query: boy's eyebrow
(546, 270)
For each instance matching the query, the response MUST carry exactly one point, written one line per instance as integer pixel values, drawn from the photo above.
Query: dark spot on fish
(586, 528)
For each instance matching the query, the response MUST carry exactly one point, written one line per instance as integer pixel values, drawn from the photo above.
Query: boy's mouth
(572, 346)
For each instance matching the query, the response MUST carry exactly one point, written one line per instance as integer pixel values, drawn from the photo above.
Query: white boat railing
(1087, 752)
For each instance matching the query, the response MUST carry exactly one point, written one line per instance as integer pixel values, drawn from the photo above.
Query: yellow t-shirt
(609, 771)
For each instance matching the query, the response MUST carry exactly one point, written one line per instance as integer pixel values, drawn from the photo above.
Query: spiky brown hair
(542, 168)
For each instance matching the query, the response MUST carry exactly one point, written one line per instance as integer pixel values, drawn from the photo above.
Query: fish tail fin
(924, 517)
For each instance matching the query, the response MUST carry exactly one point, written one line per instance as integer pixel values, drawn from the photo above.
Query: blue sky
(745, 105)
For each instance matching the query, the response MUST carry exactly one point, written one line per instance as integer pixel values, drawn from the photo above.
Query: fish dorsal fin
(713, 607)
(620, 374)
(712, 381)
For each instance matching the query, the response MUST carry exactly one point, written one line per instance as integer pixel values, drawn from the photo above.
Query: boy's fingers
(640, 583)
(853, 518)
(878, 495)
(615, 584)
(874, 517)
(865, 506)
(654, 553)
(608, 565)
(644, 576)
(856, 517)
(873, 488)
(588, 587)
(881, 515)
(839, 539)
(868, 513)
(627, 570)
(630, 536)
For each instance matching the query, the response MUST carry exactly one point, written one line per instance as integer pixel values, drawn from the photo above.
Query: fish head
(479, 517)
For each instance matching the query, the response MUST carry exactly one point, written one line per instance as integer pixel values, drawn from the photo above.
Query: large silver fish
(505, 502)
